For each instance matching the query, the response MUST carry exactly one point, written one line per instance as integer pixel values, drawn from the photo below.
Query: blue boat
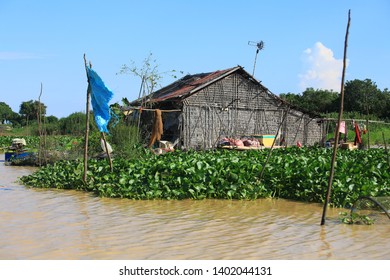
(13, 155)
(17, 153)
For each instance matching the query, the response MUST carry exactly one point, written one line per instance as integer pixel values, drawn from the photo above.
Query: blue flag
(100, 96)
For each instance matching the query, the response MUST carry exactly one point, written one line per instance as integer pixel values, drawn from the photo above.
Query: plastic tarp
(100, 96)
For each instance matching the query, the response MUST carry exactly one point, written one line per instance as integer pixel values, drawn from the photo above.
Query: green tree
(51, 119)
(6, 113)
(51, 125)
(385, 114)
(363, 97)
(74, 124)
(30, 110)
(292, 98)
(317, 101)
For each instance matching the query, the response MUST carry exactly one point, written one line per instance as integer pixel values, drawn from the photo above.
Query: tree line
(29, 113)
(362, 97)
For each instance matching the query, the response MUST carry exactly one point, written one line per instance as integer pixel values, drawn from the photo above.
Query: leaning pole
(336, 137)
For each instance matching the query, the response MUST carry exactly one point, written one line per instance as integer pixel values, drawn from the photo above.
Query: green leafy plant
(354, 218)
(296, 174)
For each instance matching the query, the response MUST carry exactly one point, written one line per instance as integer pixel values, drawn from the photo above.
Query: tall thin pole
(259, 46)
(39, 119)
(386, 150)
(87, 129)
(273, 144)
(141, 89)
(337, 134)
(367, 125)
(86, 126)
(254, 65)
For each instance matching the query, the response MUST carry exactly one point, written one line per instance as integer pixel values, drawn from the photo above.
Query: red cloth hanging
(358, 139)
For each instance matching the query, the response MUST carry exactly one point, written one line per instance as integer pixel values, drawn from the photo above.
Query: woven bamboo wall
(236, 107)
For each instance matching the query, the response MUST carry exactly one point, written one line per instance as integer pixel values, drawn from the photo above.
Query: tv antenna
(259, 46)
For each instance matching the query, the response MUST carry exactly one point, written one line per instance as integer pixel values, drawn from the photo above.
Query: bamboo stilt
(86, 126)
(39, 120)
(337, 134)
(273, 144)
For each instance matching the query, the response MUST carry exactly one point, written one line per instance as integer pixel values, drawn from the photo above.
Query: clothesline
(357, 120)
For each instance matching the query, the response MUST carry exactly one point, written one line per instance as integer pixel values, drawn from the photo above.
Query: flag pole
(337, 134)
(86, 125)
(87, 128)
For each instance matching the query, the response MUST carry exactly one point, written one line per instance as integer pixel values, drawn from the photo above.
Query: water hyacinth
(292, 173)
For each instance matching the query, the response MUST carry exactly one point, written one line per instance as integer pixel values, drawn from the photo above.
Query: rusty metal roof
(189, 84)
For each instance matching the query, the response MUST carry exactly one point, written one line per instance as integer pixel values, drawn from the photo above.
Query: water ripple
(57, 224)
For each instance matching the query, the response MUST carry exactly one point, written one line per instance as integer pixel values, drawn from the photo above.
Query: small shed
(198, 110)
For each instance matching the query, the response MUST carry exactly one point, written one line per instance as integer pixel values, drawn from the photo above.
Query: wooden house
(198, 110)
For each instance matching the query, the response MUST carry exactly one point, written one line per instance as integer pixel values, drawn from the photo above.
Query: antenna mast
(259, 46)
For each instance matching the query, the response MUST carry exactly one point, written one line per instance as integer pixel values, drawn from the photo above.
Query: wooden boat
(13, 155)
(18, 152)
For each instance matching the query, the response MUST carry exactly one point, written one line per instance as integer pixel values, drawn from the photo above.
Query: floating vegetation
(354, 218)
(292, 173)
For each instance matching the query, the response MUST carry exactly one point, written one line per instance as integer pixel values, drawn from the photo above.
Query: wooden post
(273, 144)
(386, 150)
(39, 120)
(367, 117)
(368, 132)
(337, 134)
(86, 126)
(140, 111)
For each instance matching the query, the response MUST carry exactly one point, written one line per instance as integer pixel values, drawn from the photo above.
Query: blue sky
(44, 41)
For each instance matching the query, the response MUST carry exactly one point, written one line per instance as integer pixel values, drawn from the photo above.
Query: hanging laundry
(342, 127)
(157, 129)
(364, 129)
(346, 134)
(358, 139)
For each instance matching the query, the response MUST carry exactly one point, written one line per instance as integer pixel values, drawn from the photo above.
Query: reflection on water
(57, 224)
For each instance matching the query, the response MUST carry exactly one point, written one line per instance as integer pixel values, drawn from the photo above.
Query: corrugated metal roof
(189, 84)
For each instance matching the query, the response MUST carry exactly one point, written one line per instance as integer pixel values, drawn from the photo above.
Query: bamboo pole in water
(337, 134)
(86, 125)
(273, 144)
(40, 132)
(87, 129)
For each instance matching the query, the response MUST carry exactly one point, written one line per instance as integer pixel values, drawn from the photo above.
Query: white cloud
(321, 69)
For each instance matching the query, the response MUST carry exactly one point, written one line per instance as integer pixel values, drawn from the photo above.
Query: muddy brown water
(59, 224)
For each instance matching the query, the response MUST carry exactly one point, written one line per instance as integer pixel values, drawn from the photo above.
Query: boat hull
(9, 156)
